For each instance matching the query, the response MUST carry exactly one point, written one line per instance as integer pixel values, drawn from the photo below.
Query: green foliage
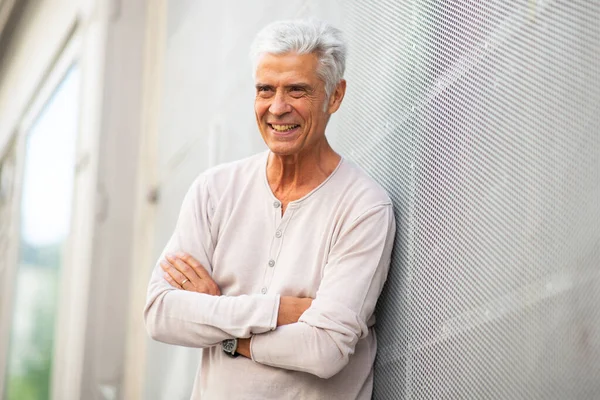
(29, 372)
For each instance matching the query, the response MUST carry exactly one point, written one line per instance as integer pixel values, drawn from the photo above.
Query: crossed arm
(316, 336)
(184, 272)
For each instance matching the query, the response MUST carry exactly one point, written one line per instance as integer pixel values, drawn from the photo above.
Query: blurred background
(480, 118)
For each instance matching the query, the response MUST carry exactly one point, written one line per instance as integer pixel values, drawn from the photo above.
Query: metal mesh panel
(482, 120)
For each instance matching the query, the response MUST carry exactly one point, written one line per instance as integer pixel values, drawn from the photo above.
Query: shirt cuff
(274, 315)
(266, 318)
(275, 312)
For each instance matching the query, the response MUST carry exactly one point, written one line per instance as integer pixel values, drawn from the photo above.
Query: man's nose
(279, 105)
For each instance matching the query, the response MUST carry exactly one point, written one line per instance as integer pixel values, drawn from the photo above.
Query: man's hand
(185, 272)
(244, 347)
(291, 308)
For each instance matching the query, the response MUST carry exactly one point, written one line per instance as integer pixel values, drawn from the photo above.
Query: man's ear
(335, 100)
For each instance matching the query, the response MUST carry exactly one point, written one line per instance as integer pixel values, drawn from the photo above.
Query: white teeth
(283, 128)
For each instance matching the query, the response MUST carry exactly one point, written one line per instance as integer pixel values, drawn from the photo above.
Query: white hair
(305, 36)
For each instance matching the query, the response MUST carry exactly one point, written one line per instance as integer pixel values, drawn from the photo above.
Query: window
(47, 189)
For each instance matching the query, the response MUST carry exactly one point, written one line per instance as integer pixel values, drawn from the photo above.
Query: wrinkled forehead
(287, 66)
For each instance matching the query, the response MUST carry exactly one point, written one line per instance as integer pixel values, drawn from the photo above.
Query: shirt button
(276, 204)
(263, 290)
(271, 263)
(278, 234)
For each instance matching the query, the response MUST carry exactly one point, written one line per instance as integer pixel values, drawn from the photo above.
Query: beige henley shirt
(333, 245)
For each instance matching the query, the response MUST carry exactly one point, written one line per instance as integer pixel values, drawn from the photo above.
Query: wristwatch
(230, 347)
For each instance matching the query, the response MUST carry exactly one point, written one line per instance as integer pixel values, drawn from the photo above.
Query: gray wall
(481, 119)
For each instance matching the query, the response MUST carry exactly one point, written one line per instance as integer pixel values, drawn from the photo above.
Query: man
(277, 261)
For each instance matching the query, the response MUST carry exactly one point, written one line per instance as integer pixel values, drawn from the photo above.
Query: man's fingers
(211, 286)
(181, 269)
(191, 261)
(184, 266)
(185, 270)
(172, 282)
(177, 276)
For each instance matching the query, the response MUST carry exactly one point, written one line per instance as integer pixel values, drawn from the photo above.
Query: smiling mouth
(283, 128)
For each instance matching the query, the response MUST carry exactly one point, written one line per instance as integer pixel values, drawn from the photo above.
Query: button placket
(276, 244)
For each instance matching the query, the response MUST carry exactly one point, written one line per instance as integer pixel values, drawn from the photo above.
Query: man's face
(290, 103)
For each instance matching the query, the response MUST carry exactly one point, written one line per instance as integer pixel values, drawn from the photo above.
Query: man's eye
(264, 91)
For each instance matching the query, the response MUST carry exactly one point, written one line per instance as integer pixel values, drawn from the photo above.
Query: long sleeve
(326, 334)
(194, 319)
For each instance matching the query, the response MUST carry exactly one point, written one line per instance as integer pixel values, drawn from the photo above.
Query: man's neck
(294, 176)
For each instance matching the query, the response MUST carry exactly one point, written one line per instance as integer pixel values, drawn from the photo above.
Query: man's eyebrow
(301, 85)
(263, 86)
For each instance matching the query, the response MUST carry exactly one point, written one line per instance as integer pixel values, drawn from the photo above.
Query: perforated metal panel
(482, 119)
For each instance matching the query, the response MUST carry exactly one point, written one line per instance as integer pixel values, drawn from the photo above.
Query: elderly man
(277, 260)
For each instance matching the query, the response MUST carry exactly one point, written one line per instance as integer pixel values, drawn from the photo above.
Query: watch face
(229, 345)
